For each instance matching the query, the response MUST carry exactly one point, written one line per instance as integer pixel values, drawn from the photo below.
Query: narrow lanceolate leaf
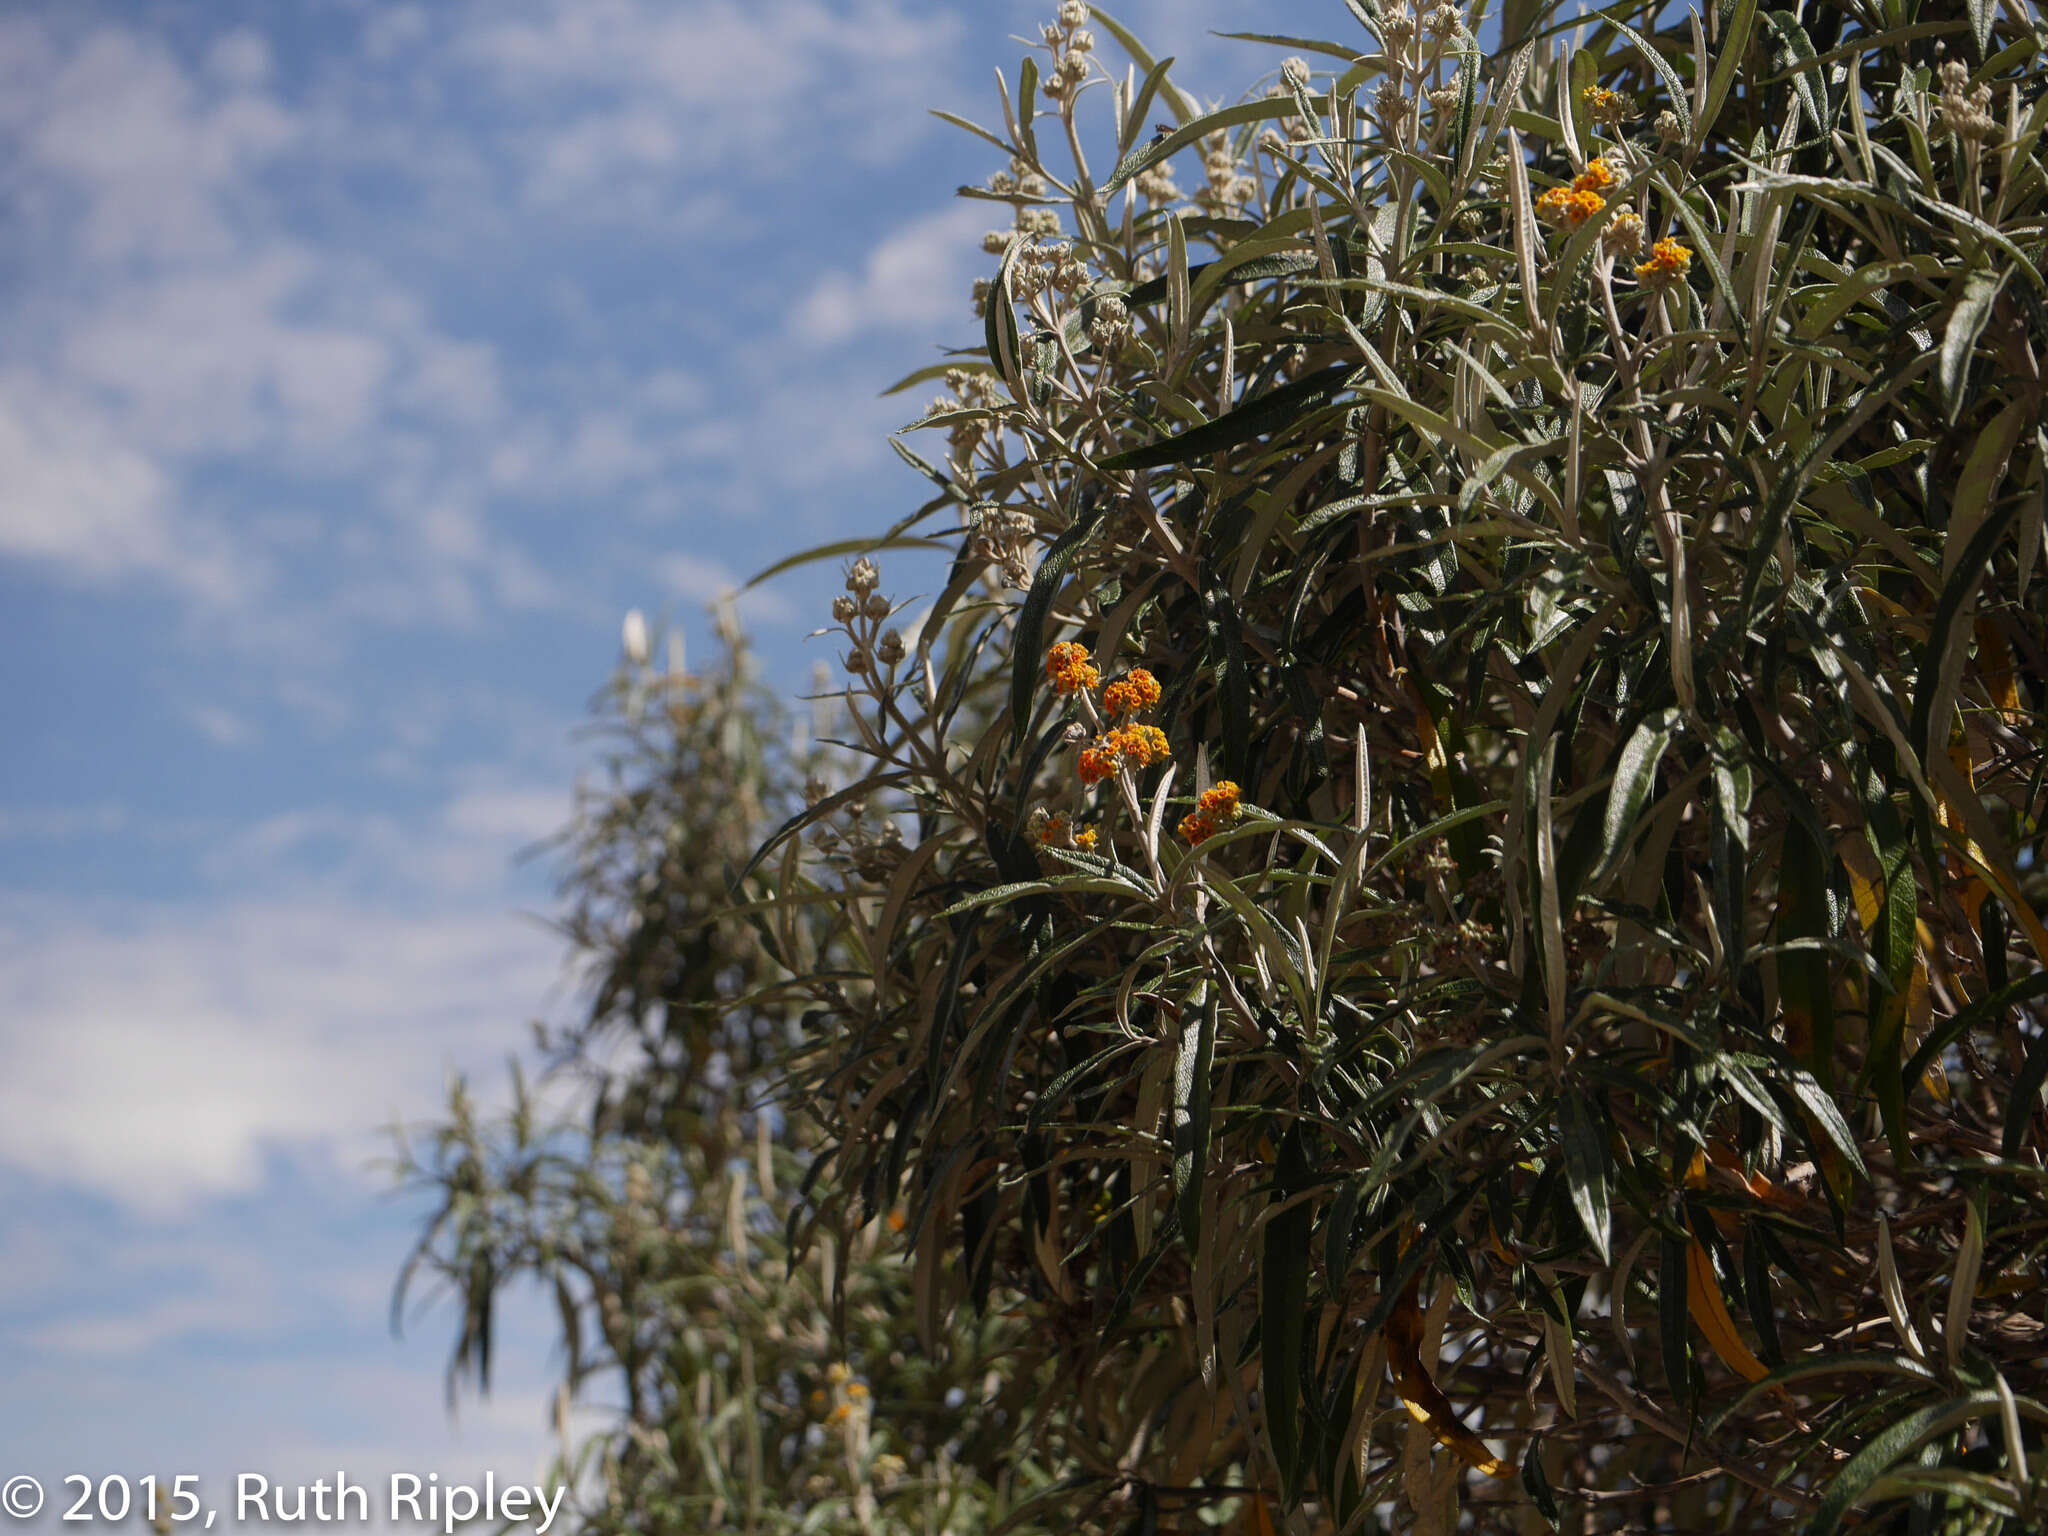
(1734, 43)
(1887, 903)
(1805, 980)
(1275, 409)
(1674, 87)
(1962, 1290)
(1191, 1090)
(1980, 290)
(1673, 1262)
(1189, 133)
(1536, 1483)
(1283, 1308)
(1584, 1137)
(1421, 1396)
(1888, 1447)
(1709, 1310)
(1045, 584)
(1635, 776)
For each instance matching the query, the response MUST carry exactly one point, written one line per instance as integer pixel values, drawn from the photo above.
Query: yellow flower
(1068, 666)
(1195, 827)
(1668, 262)
(1570, 206)
(1136, 691)
(1085, 838)
(1097, 764)
(1598, 176)
(1222, 800)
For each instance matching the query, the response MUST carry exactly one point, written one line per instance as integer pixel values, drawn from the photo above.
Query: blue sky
(362, 364)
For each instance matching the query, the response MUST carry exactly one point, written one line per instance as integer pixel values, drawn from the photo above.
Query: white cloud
(221, 725)
(159, 1059)
(705, 580)
(150, 154)
(917, 282)
(686, 89)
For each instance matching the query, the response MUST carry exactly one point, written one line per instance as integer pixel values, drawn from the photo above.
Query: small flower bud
(633, 636)
(877, 606)
(844, 608)
(863, 578)
(1295, 73)
(890, 648)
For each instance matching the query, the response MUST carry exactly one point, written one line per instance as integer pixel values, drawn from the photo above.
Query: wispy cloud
(161, 1059)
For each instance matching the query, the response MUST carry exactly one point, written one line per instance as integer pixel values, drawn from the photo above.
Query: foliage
(1563, 934)
(737, 1387)
(1467, 819)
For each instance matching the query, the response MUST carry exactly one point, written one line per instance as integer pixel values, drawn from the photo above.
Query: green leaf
(1793, 40)
(1983, 14)
(1536, 1482)
(1139, 160)
(837, 551)
(1888, 1446)
(1635, 776)
(1805, 980)
(1276, 408)
(1986, 1011)
(1469, 65)
(1981, 287)
(1028, 657)
(1283, 1314)
(999, 326)
(1584, 1140)
(1027, 107)
(1674, 87)
(1134, 119)
(1672, 1320)
(1191, 1090)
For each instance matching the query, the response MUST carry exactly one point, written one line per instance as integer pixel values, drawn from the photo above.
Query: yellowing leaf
(1710, 1314)
(1423, 1398)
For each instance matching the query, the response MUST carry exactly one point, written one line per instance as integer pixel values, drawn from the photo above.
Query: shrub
(737, 1386)
(1446, 900)
(1470, 802)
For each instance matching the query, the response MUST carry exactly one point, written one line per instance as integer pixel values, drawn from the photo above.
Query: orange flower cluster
(1573, 205)
(1216, 807)
(1135, 692)
(1668, 261)
(1068, 666)
(1598, 176)
(1143, 745)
